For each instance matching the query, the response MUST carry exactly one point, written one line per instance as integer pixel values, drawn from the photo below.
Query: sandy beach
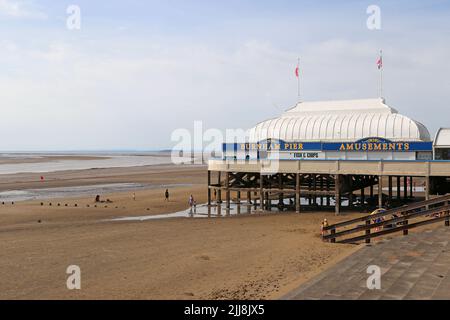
(240, 257)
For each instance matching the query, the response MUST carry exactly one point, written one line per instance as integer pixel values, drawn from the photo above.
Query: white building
(366, 129)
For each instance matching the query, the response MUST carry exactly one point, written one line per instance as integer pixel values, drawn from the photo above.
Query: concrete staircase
(416, 266)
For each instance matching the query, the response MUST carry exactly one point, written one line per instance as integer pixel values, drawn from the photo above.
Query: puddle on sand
(201, 211)
(213, 211)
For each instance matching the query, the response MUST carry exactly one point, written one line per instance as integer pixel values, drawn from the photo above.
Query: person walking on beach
(134, 196)
(191, 201)
(166, 194)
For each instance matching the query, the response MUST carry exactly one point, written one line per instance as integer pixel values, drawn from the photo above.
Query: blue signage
(373, 144)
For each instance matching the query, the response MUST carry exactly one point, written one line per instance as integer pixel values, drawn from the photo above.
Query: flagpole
(298, 80)
(381, 74)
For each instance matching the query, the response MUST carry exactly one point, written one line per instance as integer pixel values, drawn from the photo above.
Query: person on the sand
(134, 196)
(323, 225)
(166, 194)
(191, 201)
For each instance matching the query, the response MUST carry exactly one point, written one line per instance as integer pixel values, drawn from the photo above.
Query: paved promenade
(416, 266)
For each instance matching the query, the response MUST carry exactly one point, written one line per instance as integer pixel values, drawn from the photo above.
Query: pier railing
(390, 221)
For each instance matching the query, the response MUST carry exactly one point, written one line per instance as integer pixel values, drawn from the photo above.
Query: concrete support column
(249, 197)
(380, 191)
(337, 194)
(398, 188)
(297, 193)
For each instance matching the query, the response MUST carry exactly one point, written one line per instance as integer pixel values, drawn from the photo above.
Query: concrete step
(416, 266)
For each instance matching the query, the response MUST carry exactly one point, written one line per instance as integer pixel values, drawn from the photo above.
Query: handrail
(401, 209)
(406, 213)
(393, 230)
(387, 222)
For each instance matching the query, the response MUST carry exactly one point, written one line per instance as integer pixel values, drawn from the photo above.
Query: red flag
(297, 72)
(380, 62)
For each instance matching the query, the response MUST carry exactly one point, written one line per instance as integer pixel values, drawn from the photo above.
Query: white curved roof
(442, 138)
(346, 120)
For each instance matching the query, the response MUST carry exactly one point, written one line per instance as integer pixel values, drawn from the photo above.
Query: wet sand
(239, 257)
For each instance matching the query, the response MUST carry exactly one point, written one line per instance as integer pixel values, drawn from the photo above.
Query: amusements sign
(363, 145)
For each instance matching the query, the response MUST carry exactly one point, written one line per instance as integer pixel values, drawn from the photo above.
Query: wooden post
(405, 188)
(209, 190)
(280, 195)
(350, 197)
(261, 191)
(447, 215)
(333, 232)
(368, 231)
(328, 189)
(337, 194)
(363, 197)
(227, 189)
(309, 189)
(321, 189)
(238, 195)
(380, 191)
(390, 189)
(315, 189)
(427, 188)
(405, 231)
(219, 192)
(297, 193)
(411, 195)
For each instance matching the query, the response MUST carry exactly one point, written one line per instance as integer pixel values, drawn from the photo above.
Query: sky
(136, 71)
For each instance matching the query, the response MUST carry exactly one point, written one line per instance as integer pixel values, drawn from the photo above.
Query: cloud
(20, 9)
